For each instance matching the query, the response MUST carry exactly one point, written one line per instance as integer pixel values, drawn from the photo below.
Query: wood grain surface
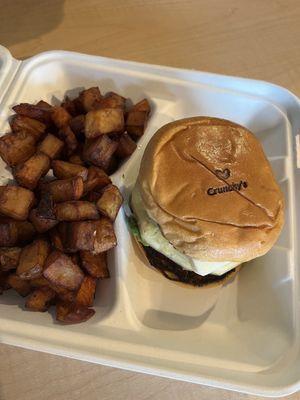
(258, 39)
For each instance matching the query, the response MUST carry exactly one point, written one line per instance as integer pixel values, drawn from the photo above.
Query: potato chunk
(65, 170)
(95, 264)
(102, 121)
(15, 202)
(29, 173)
(51, 146)
(16, 148)
(71, 313)
(110, 202)
(86, 292)
(32, 259)
(76, 211)
(40, 299)
(65, 189)
(99, 151)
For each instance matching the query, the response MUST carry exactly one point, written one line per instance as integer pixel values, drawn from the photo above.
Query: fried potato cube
(110, 202)
(96, 179)
(65, 170)
(38, 111)
(9, 258)
(15, 202)
(44, 105)
(68, 136)
(100, 151)
(61, 271)
(41, 224)
(77, 124)
(111, 100)
(65, 189)
(102, 121)
(32, 259)
(95, 264)
(25, 232)
(19, 123)
(76, 159)
(8, 232)
(70, 313)
(86, 293)
(30, 172)
(88, 97)
(76, 211)
(56, 240)
(95, 236)
(137, 118)
(39, 282)
(19, 285)
(51, 146)
(16, 148)
(69, 106)
(45, 207)
(60, 117)
(142, 105)
(126, 146)
(40, 299)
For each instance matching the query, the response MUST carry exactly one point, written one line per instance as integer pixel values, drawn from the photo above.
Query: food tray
(244, 336)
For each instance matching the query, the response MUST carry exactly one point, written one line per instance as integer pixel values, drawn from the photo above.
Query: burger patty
(175, 272)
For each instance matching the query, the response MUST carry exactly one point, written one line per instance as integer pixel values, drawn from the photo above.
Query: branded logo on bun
(228, 188)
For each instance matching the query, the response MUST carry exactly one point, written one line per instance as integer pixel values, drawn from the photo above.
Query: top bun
(209, 186)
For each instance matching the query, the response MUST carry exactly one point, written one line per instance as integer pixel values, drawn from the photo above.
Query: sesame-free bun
(209, 186)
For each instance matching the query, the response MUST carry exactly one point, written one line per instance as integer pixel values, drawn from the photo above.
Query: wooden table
(257, 39)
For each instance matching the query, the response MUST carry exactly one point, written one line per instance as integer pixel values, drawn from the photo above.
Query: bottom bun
(176, 273)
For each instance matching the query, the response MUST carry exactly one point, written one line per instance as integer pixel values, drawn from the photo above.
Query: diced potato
(70, 313)
(111, 100)
(60, 117)
(56, 239)
(76, 159)
(76, 211)
(142, 105)
(51, 146)
(95, 264)
(93, 196)
(102, 121)
(40, 299)
(100, 151)
(110, 202)
(16, 148)
(41, 224)
(65, 189)
(125, 147)
(39, 112)
(69, 106)
(25, 232)
(29, 173)
(61, 271)
(95, 236)
(65, 170)
(77, 124)
(137, 118)
(86, 292)
(64, 294)
(96, 179)
(19, 123)
(9, 258)
(19, 285)
(68, 136)
(45, 207)
(32, 259)
(15, 202)
(88, 97)
(39, 282)
(8, 232)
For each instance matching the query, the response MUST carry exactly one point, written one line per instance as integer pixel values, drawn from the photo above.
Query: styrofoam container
(244, 336)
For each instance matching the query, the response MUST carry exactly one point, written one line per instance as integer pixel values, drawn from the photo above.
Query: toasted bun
(208, 185)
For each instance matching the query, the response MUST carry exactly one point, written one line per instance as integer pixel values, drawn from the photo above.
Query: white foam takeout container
(243, 337)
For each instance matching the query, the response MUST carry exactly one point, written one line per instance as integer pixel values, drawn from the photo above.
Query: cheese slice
(151, 234)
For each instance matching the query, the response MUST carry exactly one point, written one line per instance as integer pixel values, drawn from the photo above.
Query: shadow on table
(28, 19)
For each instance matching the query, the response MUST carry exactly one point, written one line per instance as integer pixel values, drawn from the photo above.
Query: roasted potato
(61, 271)
(39, 282)
(77, 124)
(60, 117)
(99, 151)
(95, 236)
(65, 189)
(19, 123)
(51, 146)
(15, 202)
(8, 232)
(40, 223)
(40, 299)
(137, 118)
(19, 285)
(86, 292)
(126, 146)
(110, 100)
(88, 97)
(25, 232)
(69, 106)
(68, 136)
(38, 111)
(32, 259)
(71, 313)
(76, 159)
(9, 258)
(103, 121)
(96, 179)
(65, 170)
(29, 173)
(95, 264)
(110, 202)
(16, 148)
(76, 211)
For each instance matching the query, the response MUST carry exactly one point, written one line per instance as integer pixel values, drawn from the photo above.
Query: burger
(205, 201)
